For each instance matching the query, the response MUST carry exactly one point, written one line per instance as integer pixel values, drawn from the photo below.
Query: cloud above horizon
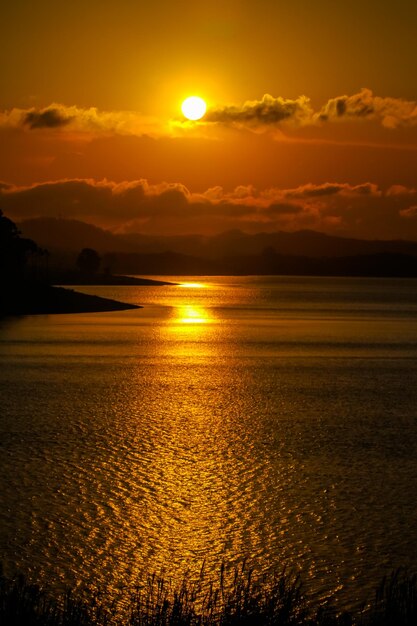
(257, 115)
(48, 118)
(362, 210)
(80, 120)
(270, 111)
(390, 112)
(265, 112)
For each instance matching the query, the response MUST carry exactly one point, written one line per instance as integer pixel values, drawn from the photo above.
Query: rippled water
(266, 418)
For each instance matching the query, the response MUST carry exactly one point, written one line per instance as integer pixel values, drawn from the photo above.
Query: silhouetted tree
(14, 250)
(88, 261)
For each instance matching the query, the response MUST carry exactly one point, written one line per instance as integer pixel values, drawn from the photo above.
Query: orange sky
(312, 119)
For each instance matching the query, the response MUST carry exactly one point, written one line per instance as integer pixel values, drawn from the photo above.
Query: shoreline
(76, 278)
(38, 299)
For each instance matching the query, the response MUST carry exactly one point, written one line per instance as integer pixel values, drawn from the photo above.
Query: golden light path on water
(196, 502)
(212, 483)
(204, 486)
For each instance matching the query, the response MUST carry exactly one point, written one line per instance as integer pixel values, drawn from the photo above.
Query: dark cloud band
(263, 112)
(48, 118)
(141, 207)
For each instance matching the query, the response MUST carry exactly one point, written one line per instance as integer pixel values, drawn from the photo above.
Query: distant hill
(70, 235)
(270, 263)
(234, 252)
(73, 235)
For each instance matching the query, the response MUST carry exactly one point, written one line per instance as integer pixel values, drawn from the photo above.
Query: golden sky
(311, 121)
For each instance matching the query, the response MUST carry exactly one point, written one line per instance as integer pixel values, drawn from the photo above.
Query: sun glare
(190, 314)
(193, 108)
(192, 285)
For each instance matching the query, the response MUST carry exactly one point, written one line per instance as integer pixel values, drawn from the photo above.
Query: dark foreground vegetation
(25, 285)
(243, 600)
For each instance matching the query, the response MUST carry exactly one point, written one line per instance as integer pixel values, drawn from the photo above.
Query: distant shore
(79, 278)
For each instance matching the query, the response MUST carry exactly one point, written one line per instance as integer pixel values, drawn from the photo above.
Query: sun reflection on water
(191, 314)
(194, 285)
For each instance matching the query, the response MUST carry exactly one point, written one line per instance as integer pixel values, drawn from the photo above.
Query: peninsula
(27, 288)
(32, 298)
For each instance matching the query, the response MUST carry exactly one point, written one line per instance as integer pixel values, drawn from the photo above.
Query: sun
(193, 108)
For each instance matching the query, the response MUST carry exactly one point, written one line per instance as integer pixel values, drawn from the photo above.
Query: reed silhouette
(243, 600)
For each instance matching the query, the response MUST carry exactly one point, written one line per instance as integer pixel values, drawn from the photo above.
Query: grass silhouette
(243, 600)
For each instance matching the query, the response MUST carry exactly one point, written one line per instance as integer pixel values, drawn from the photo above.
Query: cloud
(275, 113)
(400, 190)
(265, 112)
(332, 189)
(410, 212)
(87, 198)
(362, 210)
(48, 118)
(391, 112)
(270, 111)
(91, 121)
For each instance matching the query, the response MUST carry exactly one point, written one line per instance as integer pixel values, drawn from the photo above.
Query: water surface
(272, 419)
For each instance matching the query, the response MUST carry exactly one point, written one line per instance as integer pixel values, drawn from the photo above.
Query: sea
(270, 421)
